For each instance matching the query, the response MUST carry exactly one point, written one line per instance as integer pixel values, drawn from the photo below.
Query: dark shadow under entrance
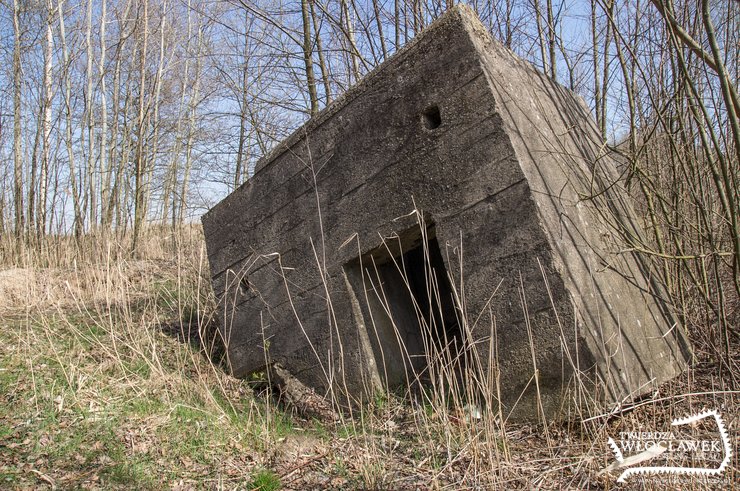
(406, 303)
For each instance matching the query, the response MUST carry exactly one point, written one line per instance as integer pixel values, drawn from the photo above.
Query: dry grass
(105, 384)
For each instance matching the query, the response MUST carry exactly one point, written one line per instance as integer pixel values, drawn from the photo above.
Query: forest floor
(104, 384)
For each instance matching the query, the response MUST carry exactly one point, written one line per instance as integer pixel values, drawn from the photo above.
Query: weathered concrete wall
(497, 159)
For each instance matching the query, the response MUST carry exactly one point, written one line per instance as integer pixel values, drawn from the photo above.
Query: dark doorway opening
(405, 301)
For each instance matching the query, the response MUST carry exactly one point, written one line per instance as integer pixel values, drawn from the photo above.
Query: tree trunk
(350, 34)
(156, 105)
(141, 154)
(46, 123)
(320, 52)
(596, 67)
(193, 106)
(242, 149)
(551, 37)
(605, 70)
(381, 35)
(79, 223)
(540, 34)
(90, 195)
(396, 24)
(170, 189)
(32, 178)
(308, 59)
(17, 147)
(104, 164)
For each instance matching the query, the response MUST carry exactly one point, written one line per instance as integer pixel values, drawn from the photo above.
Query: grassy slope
(100, 389)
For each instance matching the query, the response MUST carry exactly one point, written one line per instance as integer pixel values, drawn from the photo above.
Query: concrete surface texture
(448, 210)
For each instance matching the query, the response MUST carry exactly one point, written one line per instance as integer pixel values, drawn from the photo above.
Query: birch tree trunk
(349, 30)
(46, 122)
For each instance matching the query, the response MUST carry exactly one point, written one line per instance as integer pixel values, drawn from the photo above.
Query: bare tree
(140, 163)
(46, 120)
(551, 40)
(322, 58)
(192, 123)
(17, 135)
(69, 140)
(90, 198)
(308, 58)
(241, 153)
(104, 161)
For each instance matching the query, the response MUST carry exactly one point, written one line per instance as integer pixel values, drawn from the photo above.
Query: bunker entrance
(405, 301)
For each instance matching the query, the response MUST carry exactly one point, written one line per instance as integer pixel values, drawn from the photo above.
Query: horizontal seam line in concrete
(485, 198)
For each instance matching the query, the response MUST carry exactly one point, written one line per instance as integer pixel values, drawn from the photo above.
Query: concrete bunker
(457, 155)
